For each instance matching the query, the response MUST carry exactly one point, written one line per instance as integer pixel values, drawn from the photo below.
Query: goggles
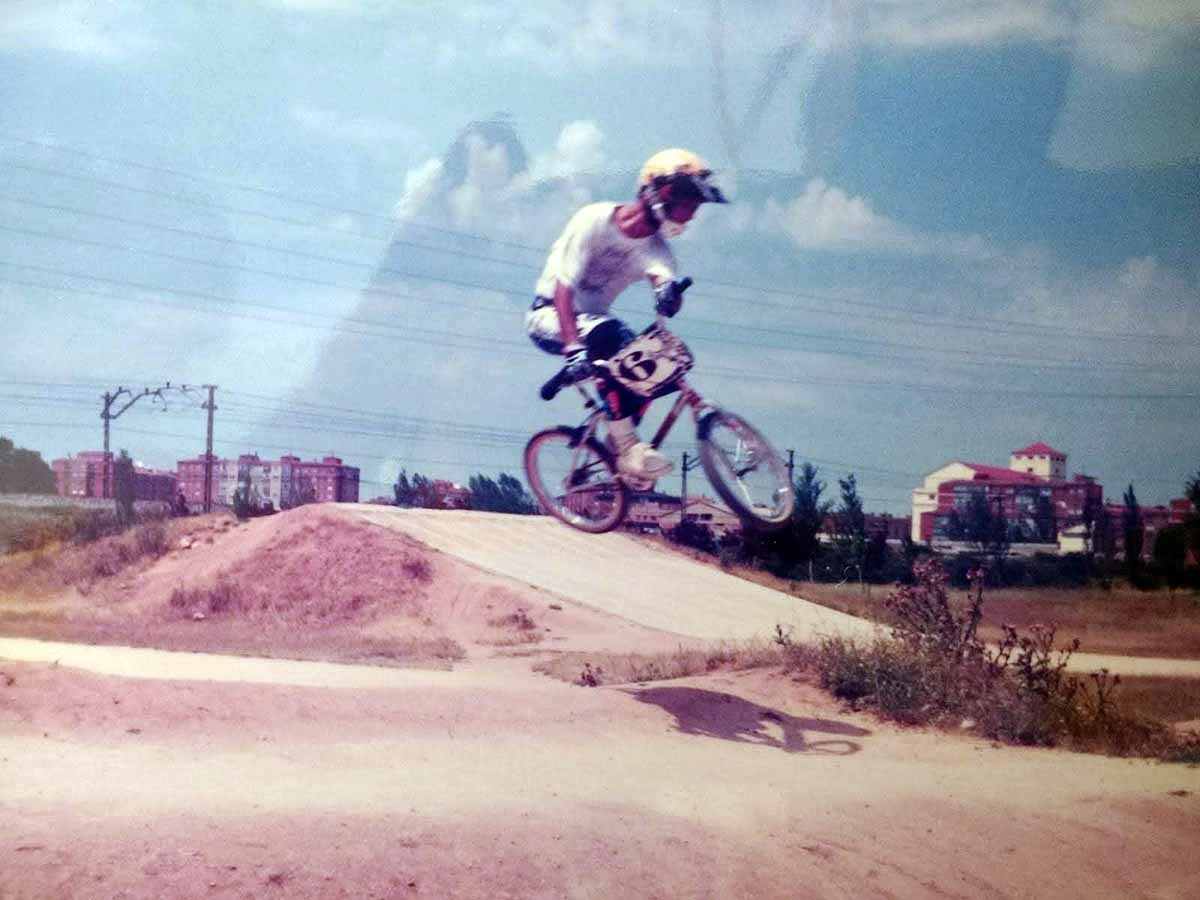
(685, 186)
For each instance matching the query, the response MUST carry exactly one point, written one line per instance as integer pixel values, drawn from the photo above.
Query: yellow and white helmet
(688, 176)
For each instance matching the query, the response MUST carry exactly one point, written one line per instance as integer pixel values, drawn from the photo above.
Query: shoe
(642, 461)
(635, 458)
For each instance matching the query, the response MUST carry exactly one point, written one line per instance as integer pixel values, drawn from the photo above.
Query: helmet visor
(697, 186)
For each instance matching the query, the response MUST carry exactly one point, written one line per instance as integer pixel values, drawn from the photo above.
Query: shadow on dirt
(719, 715)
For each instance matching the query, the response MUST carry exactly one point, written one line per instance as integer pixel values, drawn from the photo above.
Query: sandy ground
(490, 781)
(142, 774)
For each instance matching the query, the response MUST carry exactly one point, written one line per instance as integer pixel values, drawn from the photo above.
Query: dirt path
(495, 782)
(139, 774)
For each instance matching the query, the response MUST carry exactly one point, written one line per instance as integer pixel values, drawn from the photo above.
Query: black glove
(578, 366)
(668, 298)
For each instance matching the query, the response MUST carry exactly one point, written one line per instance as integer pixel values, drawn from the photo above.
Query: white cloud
(957, 23)
(109, 32)
(826, 218)
(1135, 35)
(1123, 35)
(578, 151)
(1139, 295)
(494, 197)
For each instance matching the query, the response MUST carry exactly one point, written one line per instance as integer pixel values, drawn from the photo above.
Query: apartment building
(90, 473)
(283, 483)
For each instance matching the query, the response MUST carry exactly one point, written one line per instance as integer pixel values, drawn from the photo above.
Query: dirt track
(493, 781)
(501, 783)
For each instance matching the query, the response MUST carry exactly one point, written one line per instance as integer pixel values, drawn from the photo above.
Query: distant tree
(1045, 519)
(1092, 513)
(406, 495)
(1192, 492)
(1170, 554)
(985, 526)
(851, 526)
(696, 535)
(875, 555)
(796, 544)
(301, 491)
(910, 551)
(418, 491)
(247, 502)
(956, 527)
(1135, 534)
(808, 516)
(23, 471)
(123, 488)
(1104, 545)
(505, 495)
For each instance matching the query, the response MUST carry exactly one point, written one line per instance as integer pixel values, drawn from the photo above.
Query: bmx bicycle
(573, 470)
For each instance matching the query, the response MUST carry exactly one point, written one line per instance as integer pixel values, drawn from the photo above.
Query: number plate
(653, 361)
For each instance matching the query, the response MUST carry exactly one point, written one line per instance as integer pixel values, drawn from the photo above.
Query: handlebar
(559, 379)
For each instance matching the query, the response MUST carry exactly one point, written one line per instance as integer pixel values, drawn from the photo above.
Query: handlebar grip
(684, 283)
(554, 385)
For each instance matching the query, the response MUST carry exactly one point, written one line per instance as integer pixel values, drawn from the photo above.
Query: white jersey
(597, 261)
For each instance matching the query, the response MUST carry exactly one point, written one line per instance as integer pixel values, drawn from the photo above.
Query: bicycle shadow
(730, 718)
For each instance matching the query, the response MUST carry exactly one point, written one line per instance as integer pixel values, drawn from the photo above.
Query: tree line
(854, 552)
(23, 471)
(505, 494)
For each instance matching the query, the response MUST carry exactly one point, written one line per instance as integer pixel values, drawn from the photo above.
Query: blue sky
(958, 227)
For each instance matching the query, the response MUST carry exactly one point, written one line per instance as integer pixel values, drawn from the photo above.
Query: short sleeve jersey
(595, 259)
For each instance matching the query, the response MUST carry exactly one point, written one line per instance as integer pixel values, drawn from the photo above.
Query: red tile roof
(1039, 448)
(995, 473)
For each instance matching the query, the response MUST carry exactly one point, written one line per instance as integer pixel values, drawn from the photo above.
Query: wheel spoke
(574, 482)
(745, 470)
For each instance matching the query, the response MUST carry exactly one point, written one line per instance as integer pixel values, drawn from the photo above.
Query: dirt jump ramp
(615, 573)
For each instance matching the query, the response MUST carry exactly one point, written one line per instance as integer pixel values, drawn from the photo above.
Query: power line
(1031, 329)
(280, 220)
(992, 359)
(266, 192)
(495, 346)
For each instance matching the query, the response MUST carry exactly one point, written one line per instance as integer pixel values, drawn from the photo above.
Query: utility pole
(211, 406)
(683, 470)
(107, 414)
(791, 466)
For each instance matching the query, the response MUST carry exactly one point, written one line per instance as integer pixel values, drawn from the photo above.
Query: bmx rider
(605, 248)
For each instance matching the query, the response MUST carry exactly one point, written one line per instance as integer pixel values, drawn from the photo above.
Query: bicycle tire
(610, 504)
(729, 484)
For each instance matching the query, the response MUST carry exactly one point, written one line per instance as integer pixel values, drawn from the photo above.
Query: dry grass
(937, 669)
(1164, 699)
(1123, 621)
(594, 669)
(316, 589)
(512, 630)
(58, 565)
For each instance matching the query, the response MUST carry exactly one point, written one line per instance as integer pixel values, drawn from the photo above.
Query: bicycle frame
(688, 397)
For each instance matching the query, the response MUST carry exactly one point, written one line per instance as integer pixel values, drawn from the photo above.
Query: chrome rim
(751, 470)
(574, 484)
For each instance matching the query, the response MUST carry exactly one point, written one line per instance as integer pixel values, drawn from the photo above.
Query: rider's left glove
(578, 366)
(668, 298)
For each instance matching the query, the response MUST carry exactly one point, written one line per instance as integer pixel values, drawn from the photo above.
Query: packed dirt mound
(309, 583)
(309, 569)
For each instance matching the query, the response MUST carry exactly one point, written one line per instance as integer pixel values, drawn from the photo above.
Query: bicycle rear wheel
(575, 482)
(745, 470)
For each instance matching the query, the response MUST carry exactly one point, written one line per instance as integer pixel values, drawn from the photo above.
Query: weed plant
(935, 669)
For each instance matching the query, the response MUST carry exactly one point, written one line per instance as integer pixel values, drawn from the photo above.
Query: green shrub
(935, 669)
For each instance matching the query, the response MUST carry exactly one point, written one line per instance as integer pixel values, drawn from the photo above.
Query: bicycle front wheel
(576, 482)
(745, 470)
